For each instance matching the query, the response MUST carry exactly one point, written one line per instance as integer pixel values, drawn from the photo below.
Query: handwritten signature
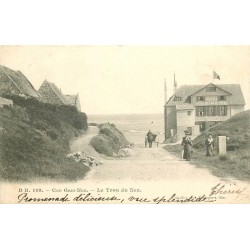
(226, 190)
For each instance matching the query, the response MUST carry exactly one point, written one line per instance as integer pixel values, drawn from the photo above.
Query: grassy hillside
(237, 129)
(34, 139)
(109, 141)
(236, 163)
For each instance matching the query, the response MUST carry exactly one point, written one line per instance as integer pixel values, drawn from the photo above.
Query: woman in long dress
(187, 146)
(209, 145)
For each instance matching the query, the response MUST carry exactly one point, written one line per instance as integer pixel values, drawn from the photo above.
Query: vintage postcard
(124, 124)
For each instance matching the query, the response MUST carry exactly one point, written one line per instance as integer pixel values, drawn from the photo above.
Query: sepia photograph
(124, 124)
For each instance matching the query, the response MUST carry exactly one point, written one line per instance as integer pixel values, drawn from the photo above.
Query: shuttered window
(211, 111)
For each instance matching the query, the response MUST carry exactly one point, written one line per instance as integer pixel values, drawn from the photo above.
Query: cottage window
(189, 112)
(211, 89)
(200, 98)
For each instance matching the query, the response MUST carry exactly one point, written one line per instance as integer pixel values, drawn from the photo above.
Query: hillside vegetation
(236, 163)
(34, 139)
(237, 129)
(109, 141)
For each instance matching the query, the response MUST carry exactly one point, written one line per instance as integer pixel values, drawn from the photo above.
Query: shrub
(53, 115)
(103, 145)
(110, 140)
(41, 125)
(52, 133)
(223, 157)
(26, 152)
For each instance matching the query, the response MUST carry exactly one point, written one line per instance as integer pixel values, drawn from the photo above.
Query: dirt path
(153, 172)
(148, 164)
(82, 143)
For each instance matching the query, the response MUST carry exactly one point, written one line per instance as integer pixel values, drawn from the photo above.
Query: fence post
(222, 145)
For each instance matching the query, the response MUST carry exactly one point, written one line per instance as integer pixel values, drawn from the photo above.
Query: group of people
(186, 143)
(187, 146)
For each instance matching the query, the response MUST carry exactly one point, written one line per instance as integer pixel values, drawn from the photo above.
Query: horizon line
(127, 114)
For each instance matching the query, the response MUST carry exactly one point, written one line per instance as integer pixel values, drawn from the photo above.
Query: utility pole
(165, 92)
(175, 84)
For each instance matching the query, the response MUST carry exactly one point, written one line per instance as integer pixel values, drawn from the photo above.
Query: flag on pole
(215, 75)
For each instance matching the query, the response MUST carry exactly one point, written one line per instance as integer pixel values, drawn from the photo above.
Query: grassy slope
(236, 163)
(110, 140)
(34, 145)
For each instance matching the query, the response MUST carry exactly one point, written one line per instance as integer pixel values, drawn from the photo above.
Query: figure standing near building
(209, 145)
(150, 138)
(146, 140)
(187, 146)
(157, 140)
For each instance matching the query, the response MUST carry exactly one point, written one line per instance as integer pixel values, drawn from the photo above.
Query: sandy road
(148, 164)
(151, 173)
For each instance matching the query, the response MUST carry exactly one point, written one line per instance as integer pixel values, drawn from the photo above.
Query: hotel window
(200, 111)
(211, 89)
(200, 98)
(222, 98)
(189, 112)
(211, 111)
(211, 98)
(223, 110)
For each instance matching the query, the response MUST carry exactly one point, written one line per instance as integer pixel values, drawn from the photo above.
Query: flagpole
(165, 92)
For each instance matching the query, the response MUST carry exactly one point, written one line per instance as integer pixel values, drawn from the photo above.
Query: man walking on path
(150, 138)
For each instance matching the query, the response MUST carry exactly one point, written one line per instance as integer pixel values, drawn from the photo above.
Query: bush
(103, 145)
(26, 152)
(41, 125)
(109, 141)
(52, 133)
(53, 115)
(223, 157)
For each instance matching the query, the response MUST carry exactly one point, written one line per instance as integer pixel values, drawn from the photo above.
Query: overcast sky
(128, 79)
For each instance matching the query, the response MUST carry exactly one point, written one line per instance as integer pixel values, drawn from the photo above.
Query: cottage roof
(57, 91)
(184, 92)
(19, 81)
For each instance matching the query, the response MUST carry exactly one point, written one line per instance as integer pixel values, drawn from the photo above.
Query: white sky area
(128, 79)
